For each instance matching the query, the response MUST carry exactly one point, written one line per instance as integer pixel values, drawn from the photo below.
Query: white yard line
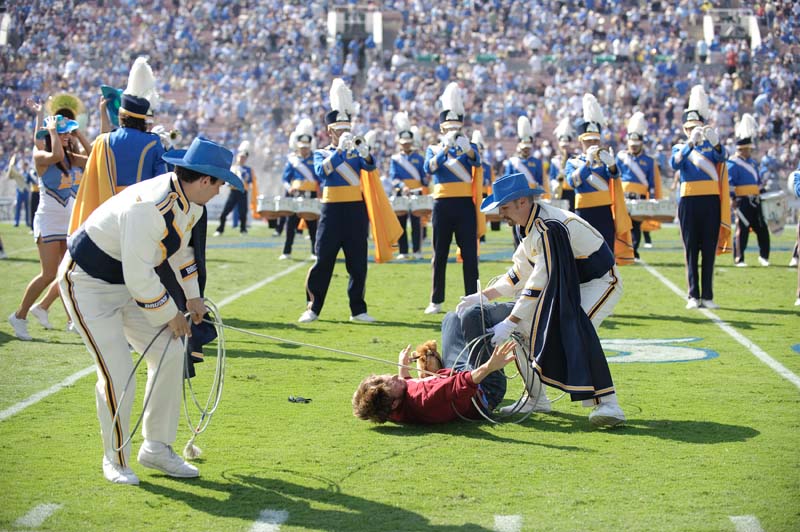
(746, 523)
(270, 521)
(35, 398)
(507, 523)
(757, 352)
(37, 516)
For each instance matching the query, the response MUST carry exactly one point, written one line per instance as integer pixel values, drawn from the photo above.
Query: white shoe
(71, 328)
(762, 261)
(741, 265)
(41, 316)
(308, 316)
(3, 254)
(402, 256)
(117, 474)
(363, 317)
(20, 327)
(606, 415)
(648, 245)
(284, 256)
(433, 308)
(217, 233)
(797, 302)
(417, 256)
(313, 257)
(709, 304)
(692, 303)
(526, 404)
(160, 456)
(793, 262)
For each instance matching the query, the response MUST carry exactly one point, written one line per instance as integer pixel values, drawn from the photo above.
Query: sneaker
(308, 316)
(117, 474)
(20, 327)
(793, 262)
(3, 254)
(648, 245)
(692, 303)
(606, 415)
(417, 256)
(41, 316)
(433, 308)
(275, 233)
(526, 404)
(217, 233)
(741, 265)
(71, 328)
(709, 304)
(762, 261)
(284, 256)
(313, 257)
(363, 317)
(160, 456)
(402, 256)
(797, 302)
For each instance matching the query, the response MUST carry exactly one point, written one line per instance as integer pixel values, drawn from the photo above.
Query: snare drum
(266, 208)
(774, 207)
(558, 203)
(662, 210)
(421, 205)
(284, 206)
(400, 204)
(307, 208)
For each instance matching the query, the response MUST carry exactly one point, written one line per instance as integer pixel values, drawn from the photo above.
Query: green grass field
(711, 443)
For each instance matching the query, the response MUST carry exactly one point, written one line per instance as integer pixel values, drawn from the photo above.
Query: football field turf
(712, 440)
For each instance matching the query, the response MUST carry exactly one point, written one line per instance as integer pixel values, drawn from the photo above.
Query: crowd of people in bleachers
(249, 70)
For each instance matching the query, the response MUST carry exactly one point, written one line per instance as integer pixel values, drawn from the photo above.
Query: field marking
(37, 515)
(746, 523)
(270, 521)
(35, 398)
(507, 523)
(757, 352)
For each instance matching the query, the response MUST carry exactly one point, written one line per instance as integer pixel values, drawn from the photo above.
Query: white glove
(711, 135)
(696, 136)
(591, 152)
(502, 331)
(450, 139)
(344, 141)
(467, 302)
(607, 157)
(463, 143)
(363, 150)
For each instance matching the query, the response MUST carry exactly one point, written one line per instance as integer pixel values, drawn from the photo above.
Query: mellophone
(272, 208)
(663, 210)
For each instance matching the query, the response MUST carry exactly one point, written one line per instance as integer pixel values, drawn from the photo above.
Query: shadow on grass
(630, 320)
(312, 502)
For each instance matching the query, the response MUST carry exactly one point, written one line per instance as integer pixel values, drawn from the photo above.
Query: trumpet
(355, 142)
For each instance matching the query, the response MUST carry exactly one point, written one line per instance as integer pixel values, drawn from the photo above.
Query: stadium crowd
(250, 70)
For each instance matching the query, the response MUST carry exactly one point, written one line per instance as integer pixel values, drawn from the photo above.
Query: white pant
(108, 319)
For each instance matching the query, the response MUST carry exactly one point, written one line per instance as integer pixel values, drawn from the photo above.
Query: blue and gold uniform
(641, 179)
(237, 199)
(745, 187)
(406, 172)
(531, 167)
(299, 179)
(593, 181)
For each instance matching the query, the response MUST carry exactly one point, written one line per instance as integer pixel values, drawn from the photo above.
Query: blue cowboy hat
(208, 158)
(63, 125)
(508, 188)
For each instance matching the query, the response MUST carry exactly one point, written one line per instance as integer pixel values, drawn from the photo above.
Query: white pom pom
(192, 451)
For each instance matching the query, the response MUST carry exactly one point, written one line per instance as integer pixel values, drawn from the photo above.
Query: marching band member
(704, 208)
(745, 187)
(639, 173)
(408, 177)
(115, 297)
(452, 164)
(344, 221)
(595, 177)
(794, 190)
(237, 199)
(524, 162)
(566, 284)
(299, 179)
(558, 163)
(488, 173)
(127, 155)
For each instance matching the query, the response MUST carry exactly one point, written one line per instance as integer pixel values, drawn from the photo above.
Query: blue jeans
(458, 332)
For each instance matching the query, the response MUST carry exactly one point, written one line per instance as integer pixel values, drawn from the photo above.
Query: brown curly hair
(372, 400)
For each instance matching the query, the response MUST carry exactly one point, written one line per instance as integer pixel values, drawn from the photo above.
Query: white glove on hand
(591, 152)
(363, 150)
(463, 143)
(467, 302)
(502, 331)
(450, 139)
(711, 135)
(696, 136)
(344, 141)
(607, 157)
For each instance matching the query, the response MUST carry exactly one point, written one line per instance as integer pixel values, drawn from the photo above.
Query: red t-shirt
(433, 399)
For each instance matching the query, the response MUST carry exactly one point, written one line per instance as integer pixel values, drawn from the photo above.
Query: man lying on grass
(441, 398)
